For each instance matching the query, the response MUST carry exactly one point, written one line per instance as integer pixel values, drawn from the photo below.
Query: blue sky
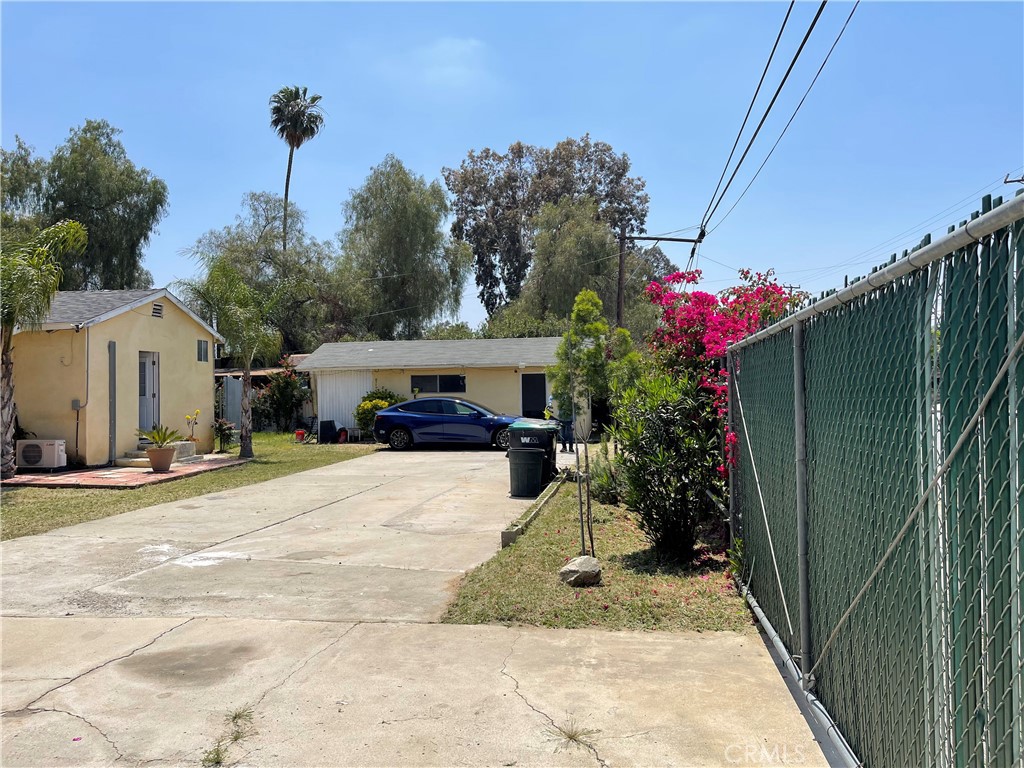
(919, 111)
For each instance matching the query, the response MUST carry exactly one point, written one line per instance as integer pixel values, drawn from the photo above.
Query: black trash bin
(536, 434)
(526, 471)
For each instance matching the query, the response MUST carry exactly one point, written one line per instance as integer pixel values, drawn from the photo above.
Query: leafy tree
(574, 250)
(22, 183)
(394, 239)
(88, 179)
(297, 118)
(581, 371)
(517, 321)
(29, 277)
(243, 315)
(254, 246)
(496, 196)
(449, 331)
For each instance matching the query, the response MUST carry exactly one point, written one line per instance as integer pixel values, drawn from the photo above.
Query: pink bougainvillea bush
(696, 327)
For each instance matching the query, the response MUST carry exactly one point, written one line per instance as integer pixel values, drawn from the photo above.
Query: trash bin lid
(545, 424)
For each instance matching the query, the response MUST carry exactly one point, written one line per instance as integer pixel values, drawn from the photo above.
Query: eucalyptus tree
(89, 179)
(30, 275)
(297, 118)
(410, 272)
(497, 195)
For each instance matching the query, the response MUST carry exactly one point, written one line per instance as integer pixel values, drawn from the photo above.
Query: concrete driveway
(309, 601)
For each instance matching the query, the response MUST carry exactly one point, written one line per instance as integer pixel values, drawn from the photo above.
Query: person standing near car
(565, 422)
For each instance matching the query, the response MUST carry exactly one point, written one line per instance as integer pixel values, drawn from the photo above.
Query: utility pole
(620, 304)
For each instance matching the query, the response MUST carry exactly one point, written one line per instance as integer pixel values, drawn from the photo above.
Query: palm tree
(297, 119)
(242, 315)
(29, 276)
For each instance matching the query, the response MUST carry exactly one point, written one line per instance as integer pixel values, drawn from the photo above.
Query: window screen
(203, 351)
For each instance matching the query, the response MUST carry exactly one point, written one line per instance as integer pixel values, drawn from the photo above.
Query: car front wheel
(399, 439)
(502, 439)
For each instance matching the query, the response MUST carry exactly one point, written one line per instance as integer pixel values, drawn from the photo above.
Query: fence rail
(889, 562)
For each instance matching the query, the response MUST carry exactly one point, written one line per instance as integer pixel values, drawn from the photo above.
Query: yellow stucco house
(106, 363)
(506, 375)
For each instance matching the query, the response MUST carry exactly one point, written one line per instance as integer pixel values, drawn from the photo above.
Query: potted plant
(161, 453)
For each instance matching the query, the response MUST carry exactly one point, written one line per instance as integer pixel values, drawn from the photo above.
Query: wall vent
(158, 309)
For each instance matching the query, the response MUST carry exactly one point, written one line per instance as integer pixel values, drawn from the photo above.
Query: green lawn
(27, 511)
(520, 584)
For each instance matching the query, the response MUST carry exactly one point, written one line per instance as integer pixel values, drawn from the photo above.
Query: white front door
(149, 390)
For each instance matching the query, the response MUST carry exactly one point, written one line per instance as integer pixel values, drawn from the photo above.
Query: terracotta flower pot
(160, 458)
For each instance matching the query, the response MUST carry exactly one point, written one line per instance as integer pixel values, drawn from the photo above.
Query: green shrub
(365, 412)
(385, 394)
(285, 395)
(604, 483)
(373, 401)
(667, 454)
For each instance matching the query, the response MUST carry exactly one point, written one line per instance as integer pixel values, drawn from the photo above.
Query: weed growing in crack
(239, 723)
(215, 755)
(572, 734)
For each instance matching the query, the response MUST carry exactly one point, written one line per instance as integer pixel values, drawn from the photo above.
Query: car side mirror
(477, 415)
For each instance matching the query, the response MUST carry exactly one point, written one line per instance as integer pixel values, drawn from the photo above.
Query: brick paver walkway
(119, 477)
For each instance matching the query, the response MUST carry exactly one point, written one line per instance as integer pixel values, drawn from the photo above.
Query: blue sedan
(440, 420)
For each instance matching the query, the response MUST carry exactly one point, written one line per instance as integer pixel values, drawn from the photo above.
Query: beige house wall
(499, 389)
(50, 371)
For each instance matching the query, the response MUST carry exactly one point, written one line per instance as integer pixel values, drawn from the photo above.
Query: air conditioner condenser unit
(41, 454)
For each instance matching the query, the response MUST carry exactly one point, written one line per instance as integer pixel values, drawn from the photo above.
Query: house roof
(75, 307)
(465, 353)
(82, 309)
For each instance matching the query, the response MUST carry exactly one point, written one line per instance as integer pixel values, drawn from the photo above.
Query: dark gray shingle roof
(82, 306)
(468, 353)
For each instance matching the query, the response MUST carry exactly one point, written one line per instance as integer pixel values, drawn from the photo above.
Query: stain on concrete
(196, 666)
(311, 554)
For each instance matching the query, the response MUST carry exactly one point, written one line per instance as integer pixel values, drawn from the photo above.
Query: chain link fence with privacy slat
(915, 581)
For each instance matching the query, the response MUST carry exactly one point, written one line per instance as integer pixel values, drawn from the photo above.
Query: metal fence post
(730, 429)
(800, 430)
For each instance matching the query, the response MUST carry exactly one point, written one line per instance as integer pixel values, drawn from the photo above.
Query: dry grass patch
(520, 584)
(26, 511)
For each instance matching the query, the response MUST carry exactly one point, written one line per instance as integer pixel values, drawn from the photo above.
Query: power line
(750, 108)
(791, 118)
(919, 228)
(767, 111)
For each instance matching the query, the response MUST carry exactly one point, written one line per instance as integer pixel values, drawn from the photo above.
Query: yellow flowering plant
(190, 422)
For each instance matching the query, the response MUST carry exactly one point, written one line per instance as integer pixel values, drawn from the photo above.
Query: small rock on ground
(582, 571)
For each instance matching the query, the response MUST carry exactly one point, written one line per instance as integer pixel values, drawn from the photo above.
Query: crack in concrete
(504, 671)
(105, 663)
(32, 679)
(37, 710)
(407, 719)
(305, 662)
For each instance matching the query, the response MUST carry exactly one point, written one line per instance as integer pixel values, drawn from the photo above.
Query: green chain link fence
(914, 519)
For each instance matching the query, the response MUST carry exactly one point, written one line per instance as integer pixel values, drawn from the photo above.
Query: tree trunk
(245, 438)
(287, 184)
(8, 467)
